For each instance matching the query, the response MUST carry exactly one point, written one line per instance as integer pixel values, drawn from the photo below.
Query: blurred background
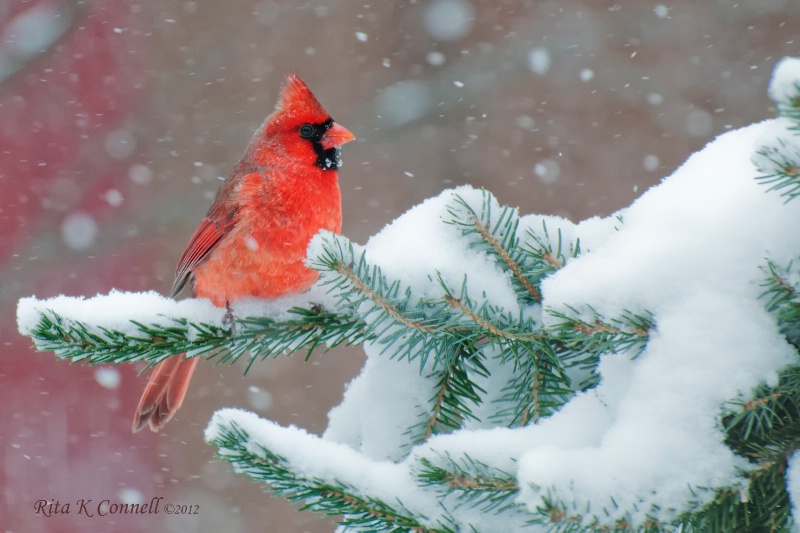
(118, 120)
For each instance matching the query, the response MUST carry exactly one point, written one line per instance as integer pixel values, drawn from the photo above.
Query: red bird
(253, 239)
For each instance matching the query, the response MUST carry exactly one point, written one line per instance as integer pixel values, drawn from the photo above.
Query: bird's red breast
(263, 254)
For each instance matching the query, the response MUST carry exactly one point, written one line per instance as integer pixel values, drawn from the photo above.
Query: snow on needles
(403, 391)
(646, 440)
(117, 310)
(320, 460)
(690, 252)
(793, 486)
(785, 80)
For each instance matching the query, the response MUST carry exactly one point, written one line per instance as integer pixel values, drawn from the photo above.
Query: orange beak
(336, 136)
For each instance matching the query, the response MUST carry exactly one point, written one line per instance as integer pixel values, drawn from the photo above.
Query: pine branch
(495, 235)
(783, 299)
(489, 321)
(266, 337)
(278, 475)
(579, 343)
(456, 324)
(771, 412)
(554, 513)
(408, 327)
(789, 105)
(767, 426)
(494, 229)
(547, 257)
(414, 328)
(457, 337)
(779, 158)
(627, 333)
(80, 342)
(780, 163)
(474, 483)
(455, 390)
(361, 286)
(312, 329)
(777, 289)
(763, 505)
(539, 386)
(765, 429)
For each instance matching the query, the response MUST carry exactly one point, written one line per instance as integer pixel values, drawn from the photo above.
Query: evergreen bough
(463, 342)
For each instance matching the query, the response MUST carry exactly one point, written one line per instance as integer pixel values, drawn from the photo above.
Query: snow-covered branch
(635, 372)
(130, 327)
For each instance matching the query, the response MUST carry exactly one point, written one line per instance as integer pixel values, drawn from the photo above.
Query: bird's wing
(221, 218)
(205, 237)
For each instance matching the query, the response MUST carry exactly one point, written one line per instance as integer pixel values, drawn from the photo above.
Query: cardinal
(253, 240)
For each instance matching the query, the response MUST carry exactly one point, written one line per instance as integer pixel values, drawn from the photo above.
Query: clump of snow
(793, 487)
(324, 460)
(444, 253)
(395, 384)
(708, 225)
(664, 440)
(646, 440)
(779, 146)
(785, 83)
(118, 310)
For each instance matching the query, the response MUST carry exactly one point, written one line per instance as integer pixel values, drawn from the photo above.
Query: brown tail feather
(164, 393)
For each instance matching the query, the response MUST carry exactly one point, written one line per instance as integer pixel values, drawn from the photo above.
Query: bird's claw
(228, 319)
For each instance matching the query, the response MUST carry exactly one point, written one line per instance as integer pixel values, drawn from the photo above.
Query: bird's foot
(229, 320)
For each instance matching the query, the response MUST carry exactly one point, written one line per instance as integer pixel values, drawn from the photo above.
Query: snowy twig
(261, 336)
(279, 476)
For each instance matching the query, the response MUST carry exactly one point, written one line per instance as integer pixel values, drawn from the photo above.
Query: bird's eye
(307, 130)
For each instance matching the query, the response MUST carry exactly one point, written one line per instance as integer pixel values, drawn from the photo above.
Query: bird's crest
(297, 100)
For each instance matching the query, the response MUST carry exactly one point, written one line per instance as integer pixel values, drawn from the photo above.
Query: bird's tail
(164, 393)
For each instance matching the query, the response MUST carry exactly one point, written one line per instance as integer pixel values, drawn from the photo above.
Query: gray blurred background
(117, 120)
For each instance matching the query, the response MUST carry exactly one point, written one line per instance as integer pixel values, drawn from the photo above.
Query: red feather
(205, 237)
(164, 392)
